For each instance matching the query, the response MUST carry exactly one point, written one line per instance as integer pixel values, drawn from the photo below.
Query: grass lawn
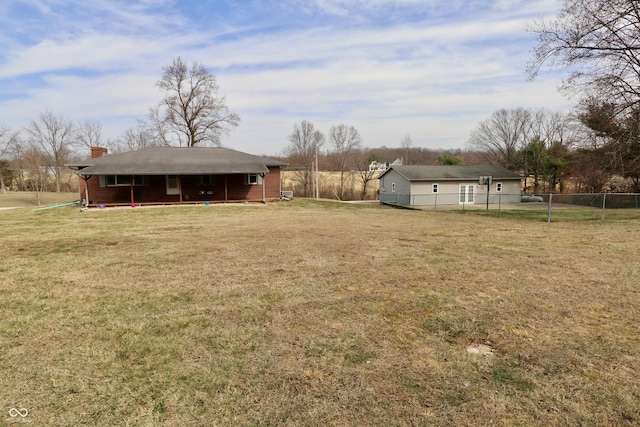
(310, 313)
(12, 199)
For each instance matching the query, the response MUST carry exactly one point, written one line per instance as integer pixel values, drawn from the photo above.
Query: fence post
(435, 203)
(499, 205)
(604, 204)
(549, 208)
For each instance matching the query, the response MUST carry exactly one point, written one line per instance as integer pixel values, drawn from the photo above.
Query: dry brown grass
(28, 199)
(307, 313)
(330, 185)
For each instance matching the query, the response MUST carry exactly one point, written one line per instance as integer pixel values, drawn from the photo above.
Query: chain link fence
(548, 207)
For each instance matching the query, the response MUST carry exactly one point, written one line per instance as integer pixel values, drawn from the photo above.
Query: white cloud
(434, 79)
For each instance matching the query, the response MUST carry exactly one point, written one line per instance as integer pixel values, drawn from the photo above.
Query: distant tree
(304, 144)
(591, 169)
(134, 138)
(616, 137)
(535, 159)
(7, 138)
(191, 112)
(345, 141)
(556, 165)
(406, 145)
(53, 136)
(363, 160)
(549, 137)
(448, 159)
(502, 136)
(36, 163)
(89, 133)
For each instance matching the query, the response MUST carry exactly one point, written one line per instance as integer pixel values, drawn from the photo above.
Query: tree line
(342, 151)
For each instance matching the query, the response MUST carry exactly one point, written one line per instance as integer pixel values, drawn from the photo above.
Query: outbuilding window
(434, 188)
(498, 187)
(393, 187)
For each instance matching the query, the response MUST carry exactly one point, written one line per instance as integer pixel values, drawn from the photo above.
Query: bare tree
(135, 138)
(597, 41)
(363, 161)
(7, 138)
(501, 137)
(36, 163)
(345, 141)
(54, 135)
(304, 143)
(89, 133)
(548, 139)
(191, 112)
(406, 144)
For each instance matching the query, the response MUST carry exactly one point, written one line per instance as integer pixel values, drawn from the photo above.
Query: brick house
(166, 175)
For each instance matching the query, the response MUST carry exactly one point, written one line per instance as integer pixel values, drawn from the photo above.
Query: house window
(206, 180)
(173, 185)
(124, 180)
(434, 188)
(498, 187)
(253, 179)
(393, 187)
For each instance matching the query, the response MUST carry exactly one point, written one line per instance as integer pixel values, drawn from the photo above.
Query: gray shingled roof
(452, 173)
(177, 161)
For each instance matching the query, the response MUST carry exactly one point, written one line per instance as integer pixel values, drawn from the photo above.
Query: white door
(466, 194)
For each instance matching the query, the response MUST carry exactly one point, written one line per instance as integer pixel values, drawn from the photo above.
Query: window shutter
(103, 182)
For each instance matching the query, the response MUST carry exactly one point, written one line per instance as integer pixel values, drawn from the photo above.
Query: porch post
(226, 190)
(178, 178)
(264, 194)
(131, 186)
(85, 178)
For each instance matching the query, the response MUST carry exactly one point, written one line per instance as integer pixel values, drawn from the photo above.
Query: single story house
(169, 175)
(448, 185)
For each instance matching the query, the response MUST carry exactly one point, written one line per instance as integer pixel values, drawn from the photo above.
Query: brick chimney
(98, 152)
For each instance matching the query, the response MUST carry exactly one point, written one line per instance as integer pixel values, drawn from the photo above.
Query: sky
(430, 69)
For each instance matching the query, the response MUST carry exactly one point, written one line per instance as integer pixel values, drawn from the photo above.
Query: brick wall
(155, 190)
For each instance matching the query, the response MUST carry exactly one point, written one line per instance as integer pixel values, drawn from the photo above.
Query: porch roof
(177, 161)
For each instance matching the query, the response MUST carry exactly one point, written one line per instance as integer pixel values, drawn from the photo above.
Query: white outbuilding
(449, 185)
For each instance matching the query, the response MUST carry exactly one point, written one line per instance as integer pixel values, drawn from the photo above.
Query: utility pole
(317, 175)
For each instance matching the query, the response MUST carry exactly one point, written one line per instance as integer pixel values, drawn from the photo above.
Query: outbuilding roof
(452, 173)
(177, 161)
